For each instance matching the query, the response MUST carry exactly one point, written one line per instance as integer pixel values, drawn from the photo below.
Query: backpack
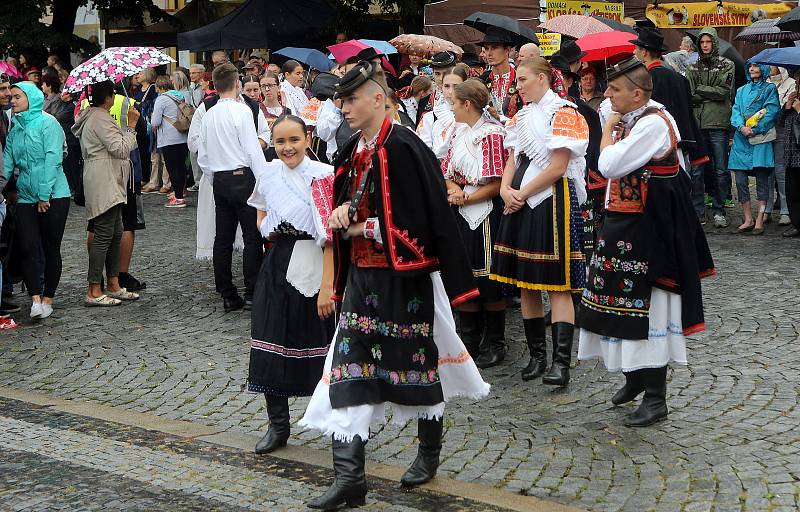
(183, 120)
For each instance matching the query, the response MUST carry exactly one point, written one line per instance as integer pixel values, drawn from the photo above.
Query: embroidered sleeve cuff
(372, 229)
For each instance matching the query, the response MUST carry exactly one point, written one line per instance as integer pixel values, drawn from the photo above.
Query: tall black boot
(632, 388)
(424, 467)
(562, 333)
(654, 404)
(350, 486)
(278, 431)
(495, 340)
(535, 335)
(472, 330)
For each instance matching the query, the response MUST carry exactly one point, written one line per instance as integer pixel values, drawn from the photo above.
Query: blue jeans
(717, 141)
(695, 173)
(2, 219)
(763, 176)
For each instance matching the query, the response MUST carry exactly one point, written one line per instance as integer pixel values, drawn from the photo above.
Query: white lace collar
(534, 126)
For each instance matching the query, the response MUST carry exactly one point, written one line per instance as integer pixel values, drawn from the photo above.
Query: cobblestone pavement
(730, 443)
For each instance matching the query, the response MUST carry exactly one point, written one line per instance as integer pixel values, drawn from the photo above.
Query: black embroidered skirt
(384, 349)
(479, 243)
(541, 248)
(288, 342)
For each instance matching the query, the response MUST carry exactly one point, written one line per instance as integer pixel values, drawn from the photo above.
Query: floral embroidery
(419, 357)
(371, 300)
(626, 285)
(368, 325)
(599, 282)
(601, 243)
(414, 304)
(617, 264)
(624, 246)
(376, 352)
(624, 305)
(352, 371)
(344, 346)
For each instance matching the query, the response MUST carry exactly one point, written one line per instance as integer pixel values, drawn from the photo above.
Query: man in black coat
(671, 89)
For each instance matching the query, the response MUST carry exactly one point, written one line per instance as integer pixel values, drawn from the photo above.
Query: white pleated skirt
(458, 374)
(665, 343)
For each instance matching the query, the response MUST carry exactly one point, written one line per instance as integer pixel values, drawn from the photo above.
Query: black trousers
(231, 190)
(793, 194)
(73, 167)
(43, 231)
(175, 160)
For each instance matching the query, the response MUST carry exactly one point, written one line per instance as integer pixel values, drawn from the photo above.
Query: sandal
(101, 301)
(123, 294)
(745, 229)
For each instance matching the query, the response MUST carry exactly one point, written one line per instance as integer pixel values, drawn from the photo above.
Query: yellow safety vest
(121, 104)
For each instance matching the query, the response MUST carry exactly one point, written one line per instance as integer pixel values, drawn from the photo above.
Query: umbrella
(766, 31)
(786, 57)
(615, 25)
(9, 69)
(382, 46)
(343, 51)
(115, 64)
(604, 45)
(727, 50)
(790, 21)
(575, 25)
(308, 56)
(424, 46)
(483, 20)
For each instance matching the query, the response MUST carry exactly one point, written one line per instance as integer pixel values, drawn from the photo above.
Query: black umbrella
(790, 21)
(621, 27)
(483, 20)
(726, 49)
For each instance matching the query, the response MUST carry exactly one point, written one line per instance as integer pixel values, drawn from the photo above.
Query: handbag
(767, 136)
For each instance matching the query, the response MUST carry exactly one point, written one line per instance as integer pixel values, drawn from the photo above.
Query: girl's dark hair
(97, 93)
(289, 118)
(250, 78)
(289, 66)
(459, 71)
(53, 82)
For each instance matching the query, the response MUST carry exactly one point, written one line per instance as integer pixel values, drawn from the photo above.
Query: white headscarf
(784, 84)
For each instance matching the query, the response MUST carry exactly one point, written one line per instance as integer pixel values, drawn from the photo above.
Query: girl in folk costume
(270, 89)
(539, 242)
(473, 167)
(293, 94)
(292, 318)
(436, 127)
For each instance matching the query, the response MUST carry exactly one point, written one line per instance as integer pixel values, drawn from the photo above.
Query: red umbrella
(343, 51)
(605, 45)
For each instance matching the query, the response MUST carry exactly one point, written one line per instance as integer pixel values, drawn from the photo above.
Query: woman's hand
(43, 206)
(512, 198)
(340, 217)
(325, 304)
(456, 196)
(746, 131)
(133, 117)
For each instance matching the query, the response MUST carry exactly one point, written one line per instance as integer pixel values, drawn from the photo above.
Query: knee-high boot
(278, 432)
(350, 486)
(632, 388)
(562, 333)
(472, 330)
(654, 404)
(425, 465)
(535, 336)
(493, 349)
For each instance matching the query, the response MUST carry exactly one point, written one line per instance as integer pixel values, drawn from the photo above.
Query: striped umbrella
(767, 31)
(575, 25)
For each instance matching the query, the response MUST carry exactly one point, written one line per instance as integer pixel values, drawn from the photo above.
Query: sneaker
(36, 310)
(7, 307)
(720, 221)
(193, 188)
(729, 203)
(7, 323)
(47, 310)
(707, 200)
(176, 203)
(784, 221)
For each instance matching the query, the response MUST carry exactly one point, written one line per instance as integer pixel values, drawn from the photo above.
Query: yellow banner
(549, 43)
(709, 14)
(615, 11)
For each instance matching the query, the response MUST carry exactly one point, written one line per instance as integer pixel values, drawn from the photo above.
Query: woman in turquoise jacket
(748, 158)
(35, 147)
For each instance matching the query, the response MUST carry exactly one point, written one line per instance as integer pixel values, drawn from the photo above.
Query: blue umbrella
(786, 57)
(382, 46)
(308, 56)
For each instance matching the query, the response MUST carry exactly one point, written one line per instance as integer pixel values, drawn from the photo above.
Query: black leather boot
(472, 330)
(562, 333)
(535, 335)
(278, 431)
(495, 340)
(350, 486)
(654, 404)
(424, 467)
(632, 388)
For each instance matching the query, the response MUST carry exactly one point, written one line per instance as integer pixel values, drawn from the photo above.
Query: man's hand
(43, 206)
(340, 218)
(612, 121)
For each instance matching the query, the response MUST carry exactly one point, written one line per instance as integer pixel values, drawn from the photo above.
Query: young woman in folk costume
(473, 167)
(292, 320)
(436, 127)
(293, 94)
(539, 242)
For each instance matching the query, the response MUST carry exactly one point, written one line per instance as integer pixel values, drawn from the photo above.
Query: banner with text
(615, 11)
(549, 43)
(709, 14)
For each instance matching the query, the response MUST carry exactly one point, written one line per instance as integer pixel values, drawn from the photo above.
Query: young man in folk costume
(397, 259)
(441, 63)
(501, 78)
(643, 292)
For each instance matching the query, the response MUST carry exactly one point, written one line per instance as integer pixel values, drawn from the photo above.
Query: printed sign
(549, 43)
(615, 11)
(709, 14)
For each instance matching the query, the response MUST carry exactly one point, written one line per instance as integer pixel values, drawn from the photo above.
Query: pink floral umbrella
(9, 69)
(115, 64)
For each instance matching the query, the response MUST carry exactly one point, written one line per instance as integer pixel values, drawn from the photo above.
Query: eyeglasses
(268, 86)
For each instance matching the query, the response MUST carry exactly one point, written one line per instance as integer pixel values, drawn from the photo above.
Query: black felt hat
(443, 60)
(369, 54)
(571, 51)
(324, 86)
(623, 67)
(471, 59)
(651, 38)
(500, 36)
(560, 63)
(355, 78)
